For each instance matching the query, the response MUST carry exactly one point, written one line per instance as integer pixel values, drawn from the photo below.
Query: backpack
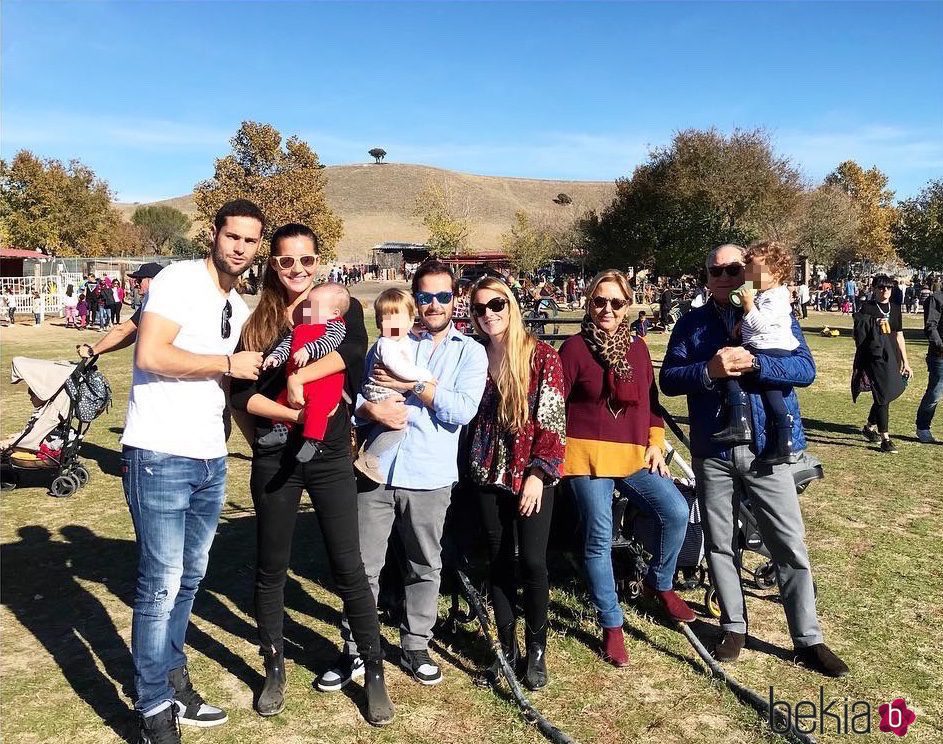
(91, 394)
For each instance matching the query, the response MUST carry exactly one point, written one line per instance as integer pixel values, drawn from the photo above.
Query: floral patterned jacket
(501, 458)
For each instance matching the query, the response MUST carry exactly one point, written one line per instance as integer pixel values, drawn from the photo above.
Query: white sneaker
(926, 436)
(345, 669)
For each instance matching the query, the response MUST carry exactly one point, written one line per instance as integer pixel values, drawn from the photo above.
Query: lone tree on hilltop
(378, 153)
(563, 199)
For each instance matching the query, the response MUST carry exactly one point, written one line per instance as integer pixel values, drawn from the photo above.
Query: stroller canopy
(46, 379)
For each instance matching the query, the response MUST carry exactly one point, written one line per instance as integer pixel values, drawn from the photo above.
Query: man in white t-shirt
(174, 458)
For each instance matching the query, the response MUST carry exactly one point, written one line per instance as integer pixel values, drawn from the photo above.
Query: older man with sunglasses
(174, 459)
(417, 475)
(704, 348)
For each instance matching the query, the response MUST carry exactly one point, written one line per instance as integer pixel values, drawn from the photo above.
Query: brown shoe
(730, 646)
(819, 658)
(675, 607)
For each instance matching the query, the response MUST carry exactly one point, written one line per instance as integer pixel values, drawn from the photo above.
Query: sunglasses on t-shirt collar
(224, 327)
(425, 298)
(731, 269)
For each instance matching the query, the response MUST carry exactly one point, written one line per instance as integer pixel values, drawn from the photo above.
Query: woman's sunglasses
(287, 262)
(224, 328)
(733, 269)
(495, 305)
(886, 287)
(600, 302)
(426, 298)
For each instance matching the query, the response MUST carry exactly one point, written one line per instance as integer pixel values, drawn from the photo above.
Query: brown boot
(613, 647)
(730, 646)
(820, 658)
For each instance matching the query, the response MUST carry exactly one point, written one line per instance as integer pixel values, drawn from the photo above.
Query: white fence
(51, 291)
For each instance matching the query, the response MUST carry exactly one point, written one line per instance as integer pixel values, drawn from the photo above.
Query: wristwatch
(419, 387)
(756, 364)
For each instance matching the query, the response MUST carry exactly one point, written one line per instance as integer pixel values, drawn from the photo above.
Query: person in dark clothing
(278, 478)
(932, 313)
(880, 360)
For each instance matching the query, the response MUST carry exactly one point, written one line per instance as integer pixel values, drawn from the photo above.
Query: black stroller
(631, 534)
(70, 396)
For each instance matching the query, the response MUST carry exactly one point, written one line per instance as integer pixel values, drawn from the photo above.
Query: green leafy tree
(286, 181)
(918, 232)
(529, 244)
(563, 199)
(702, 190)
(826, 228)
(874, 203)
(160, 224)
(445, 215)
(377, 153)
(65, 208)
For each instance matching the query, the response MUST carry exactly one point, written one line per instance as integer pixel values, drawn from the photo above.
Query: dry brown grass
(376, 202)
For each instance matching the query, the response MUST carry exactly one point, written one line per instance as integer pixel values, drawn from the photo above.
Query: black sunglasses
(495, 305)
(731, 269)
(600, 302)
(425, 298)
(886, 286)
(224, 328)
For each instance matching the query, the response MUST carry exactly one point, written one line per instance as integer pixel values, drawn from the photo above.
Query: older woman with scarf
(615, 441)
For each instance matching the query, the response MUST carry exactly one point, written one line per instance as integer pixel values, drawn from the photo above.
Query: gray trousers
(775, 505)
(419, 517)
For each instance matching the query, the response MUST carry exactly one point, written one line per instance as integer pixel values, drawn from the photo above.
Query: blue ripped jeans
(175, 504)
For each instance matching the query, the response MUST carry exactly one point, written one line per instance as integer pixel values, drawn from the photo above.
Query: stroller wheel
(711, 603)
(63, 486)
(81, 474)
(765, 575)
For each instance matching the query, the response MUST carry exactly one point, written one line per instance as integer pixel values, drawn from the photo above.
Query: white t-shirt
(769, 324)
(168, 414)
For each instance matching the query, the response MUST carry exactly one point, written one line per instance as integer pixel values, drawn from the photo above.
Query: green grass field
(874, 533)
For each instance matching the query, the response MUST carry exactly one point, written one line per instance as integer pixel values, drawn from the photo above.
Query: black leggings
(500, 516)
(116, 313)
(276, 482)
(879, 415)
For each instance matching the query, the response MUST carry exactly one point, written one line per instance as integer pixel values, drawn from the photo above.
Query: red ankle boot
(613, 647)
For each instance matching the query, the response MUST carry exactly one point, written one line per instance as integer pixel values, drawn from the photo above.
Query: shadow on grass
(43, 587)
(107, 458)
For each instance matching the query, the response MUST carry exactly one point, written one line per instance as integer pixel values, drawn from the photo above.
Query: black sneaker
(192, 709)
(160, 728)
(870, 434)
(421, 666)
(345, 669)
(888, 446)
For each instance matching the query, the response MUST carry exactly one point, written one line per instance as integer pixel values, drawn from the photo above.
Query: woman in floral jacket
(517, 447)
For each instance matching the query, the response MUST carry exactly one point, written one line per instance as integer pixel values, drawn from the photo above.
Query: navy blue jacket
(700, 334)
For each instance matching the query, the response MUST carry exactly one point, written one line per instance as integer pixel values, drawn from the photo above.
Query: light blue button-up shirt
(427, 455)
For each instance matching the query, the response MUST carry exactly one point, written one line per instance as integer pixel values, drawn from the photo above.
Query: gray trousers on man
(775, 505)
(419, 517)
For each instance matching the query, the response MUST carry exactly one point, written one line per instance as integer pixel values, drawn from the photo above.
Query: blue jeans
(104, 316)
(659, 499)
(175, 504)
(934, 393)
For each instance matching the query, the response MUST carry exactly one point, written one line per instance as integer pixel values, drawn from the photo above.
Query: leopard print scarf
(611, 351)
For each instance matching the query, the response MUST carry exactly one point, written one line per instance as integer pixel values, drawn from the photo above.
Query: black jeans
(276, 482)
(116, 313)
(879, 415)
(501, 520)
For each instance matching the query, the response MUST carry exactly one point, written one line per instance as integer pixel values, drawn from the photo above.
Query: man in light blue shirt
(417, 476)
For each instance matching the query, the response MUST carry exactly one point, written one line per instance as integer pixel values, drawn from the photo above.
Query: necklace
(885, 313)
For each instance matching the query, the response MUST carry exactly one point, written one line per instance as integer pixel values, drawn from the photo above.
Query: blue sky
(148, 94)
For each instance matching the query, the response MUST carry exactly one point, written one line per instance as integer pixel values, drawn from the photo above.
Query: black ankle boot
(780, 451)
(507, 637)
(272, 698)
(379, 705)
(737, 430)
(536, 640)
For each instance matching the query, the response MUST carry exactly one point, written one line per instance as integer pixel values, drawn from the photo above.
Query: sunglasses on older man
(733, 269)
(495, 305)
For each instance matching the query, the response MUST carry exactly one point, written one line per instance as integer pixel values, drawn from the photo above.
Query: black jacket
(932, 312)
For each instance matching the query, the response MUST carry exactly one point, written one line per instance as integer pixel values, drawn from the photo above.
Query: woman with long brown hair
(277, 478)
(615, 441)
(517, 447)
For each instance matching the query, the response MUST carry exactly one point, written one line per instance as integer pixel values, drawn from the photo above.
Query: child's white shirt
(397, 354)
(769, 324)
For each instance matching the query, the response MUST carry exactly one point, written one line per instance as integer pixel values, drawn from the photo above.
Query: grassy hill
(376, 202)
